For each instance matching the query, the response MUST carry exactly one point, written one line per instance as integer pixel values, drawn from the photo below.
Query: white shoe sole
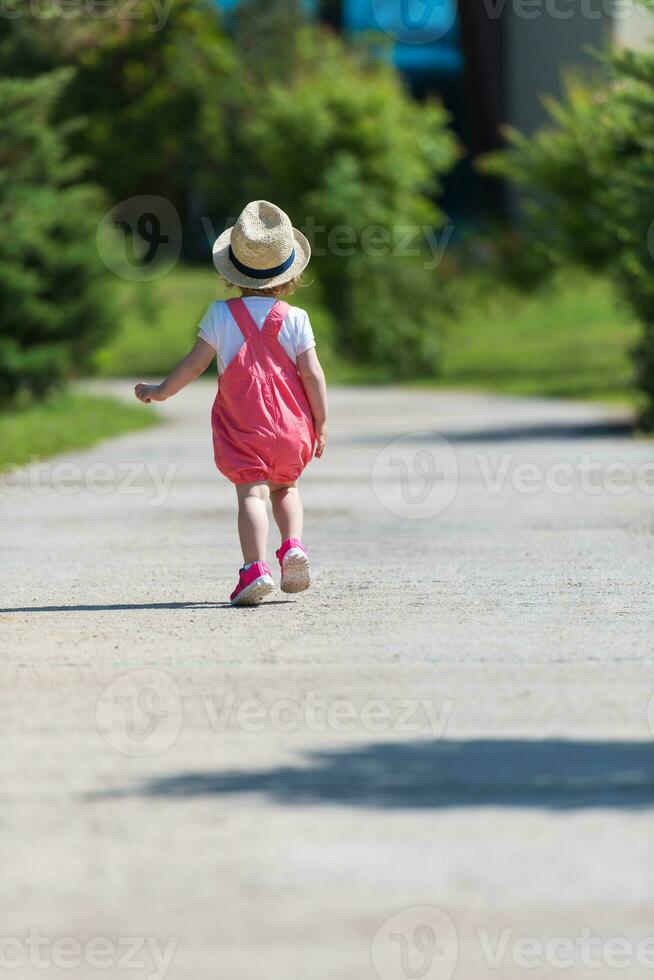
(255, 592)
(296, 576)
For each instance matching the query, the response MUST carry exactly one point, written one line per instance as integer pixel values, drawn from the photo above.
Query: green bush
(53, 307)
(279, 109)
(588, 187)
(338, 143)
(149, 89)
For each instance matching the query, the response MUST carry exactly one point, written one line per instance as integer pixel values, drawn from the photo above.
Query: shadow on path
(122, 606)
(552, 774)
(520, 433)
(548, 430)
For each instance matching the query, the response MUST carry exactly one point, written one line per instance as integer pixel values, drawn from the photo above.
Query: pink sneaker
(254, 584)
(294, 563)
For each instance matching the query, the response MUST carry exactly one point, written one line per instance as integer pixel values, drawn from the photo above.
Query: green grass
(570, 340)
(62, 423)
(159, 322)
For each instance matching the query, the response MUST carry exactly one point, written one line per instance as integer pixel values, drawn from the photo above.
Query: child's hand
(321, 438)
(148, 393)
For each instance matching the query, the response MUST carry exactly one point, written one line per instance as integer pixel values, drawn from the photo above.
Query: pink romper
(261, 419)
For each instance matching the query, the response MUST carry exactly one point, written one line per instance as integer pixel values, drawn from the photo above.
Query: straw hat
(262, 250)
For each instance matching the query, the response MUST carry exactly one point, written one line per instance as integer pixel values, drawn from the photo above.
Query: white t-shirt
(219, 328)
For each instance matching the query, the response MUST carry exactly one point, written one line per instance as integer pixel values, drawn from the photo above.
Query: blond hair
(285, 289)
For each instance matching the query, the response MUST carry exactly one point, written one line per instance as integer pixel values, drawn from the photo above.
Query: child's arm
(188, 369)
(313, 379)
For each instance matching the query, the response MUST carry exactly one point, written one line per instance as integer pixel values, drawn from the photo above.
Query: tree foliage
(338, 143)
(588, 186)
(210, 113)
(53, 308)
(148, 86)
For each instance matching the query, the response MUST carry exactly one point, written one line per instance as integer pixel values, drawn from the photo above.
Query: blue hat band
(247, 270)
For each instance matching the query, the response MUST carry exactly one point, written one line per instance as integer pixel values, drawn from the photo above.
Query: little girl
(270, 413)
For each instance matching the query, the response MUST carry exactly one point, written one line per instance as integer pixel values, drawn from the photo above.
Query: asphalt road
(437, 763)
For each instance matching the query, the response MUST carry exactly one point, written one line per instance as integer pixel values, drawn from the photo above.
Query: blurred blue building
(489, 61)
(424, 33)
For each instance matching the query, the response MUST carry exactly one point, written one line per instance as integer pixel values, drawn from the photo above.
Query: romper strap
(243, 317)
(275, 319)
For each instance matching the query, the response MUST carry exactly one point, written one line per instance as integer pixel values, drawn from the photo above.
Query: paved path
(456, 716)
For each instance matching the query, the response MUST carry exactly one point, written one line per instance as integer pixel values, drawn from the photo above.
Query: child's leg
(287, 510)
(253, 520)
(289, 515)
